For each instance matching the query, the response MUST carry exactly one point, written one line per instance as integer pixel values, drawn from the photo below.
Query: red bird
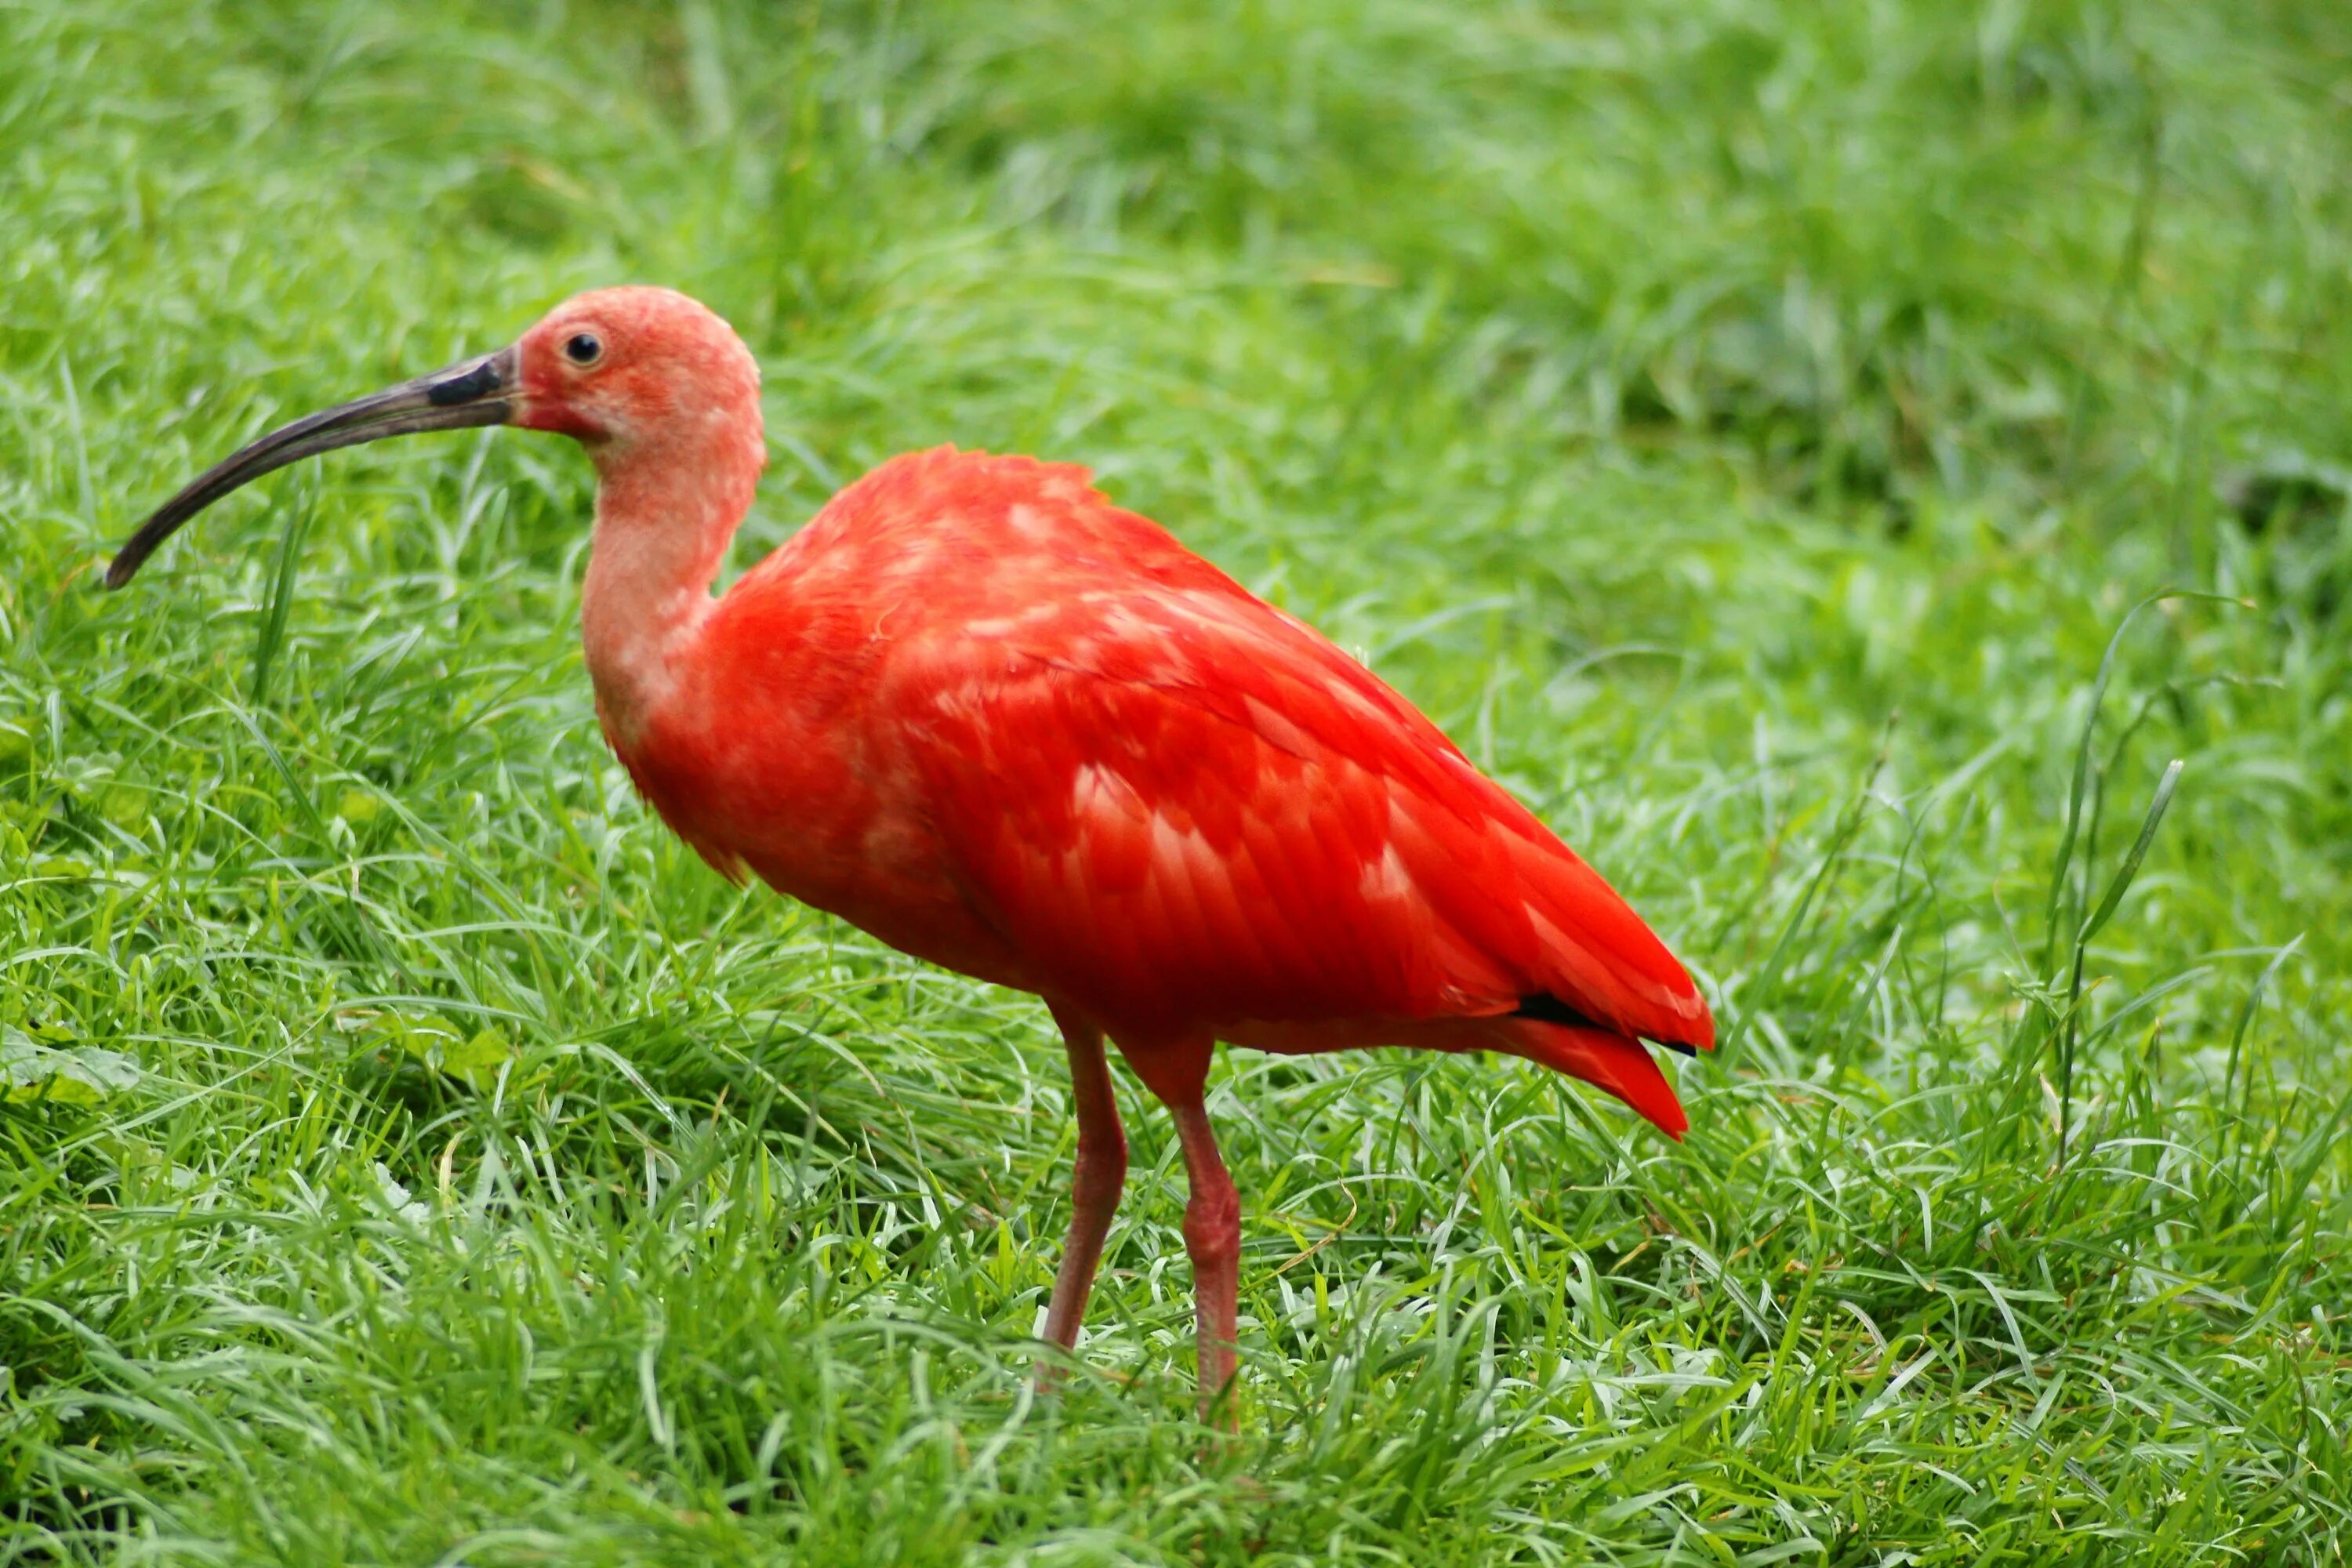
(980, 711)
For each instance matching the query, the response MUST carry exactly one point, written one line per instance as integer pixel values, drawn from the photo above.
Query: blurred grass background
(413, 1155)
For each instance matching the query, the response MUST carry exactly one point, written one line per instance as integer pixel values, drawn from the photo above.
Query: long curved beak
(471, 392)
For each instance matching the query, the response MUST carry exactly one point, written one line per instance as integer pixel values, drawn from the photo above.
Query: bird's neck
(665, 514)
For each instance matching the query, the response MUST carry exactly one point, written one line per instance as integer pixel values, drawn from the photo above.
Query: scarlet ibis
(984, 714)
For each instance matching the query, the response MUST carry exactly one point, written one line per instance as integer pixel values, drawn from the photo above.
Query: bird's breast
(800, 789)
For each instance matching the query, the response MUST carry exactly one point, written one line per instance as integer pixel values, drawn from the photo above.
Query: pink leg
(1178, 1072)
(1100, 1173)
(1212, 1235)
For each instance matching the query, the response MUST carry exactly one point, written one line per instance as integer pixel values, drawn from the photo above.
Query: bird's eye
(583, 348)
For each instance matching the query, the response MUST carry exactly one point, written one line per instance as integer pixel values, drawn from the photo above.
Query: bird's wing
(1190, 808)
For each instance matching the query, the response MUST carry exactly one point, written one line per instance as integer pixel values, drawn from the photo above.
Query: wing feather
(1197, 812)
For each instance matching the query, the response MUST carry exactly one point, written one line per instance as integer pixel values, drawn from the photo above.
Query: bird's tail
(1613, 1063)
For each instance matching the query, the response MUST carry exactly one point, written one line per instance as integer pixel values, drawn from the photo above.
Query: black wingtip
(1546, 1008)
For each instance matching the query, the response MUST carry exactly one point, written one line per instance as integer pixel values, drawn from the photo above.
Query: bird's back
(1013, 728)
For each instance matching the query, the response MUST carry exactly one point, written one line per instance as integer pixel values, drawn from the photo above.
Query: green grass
(1666, 397)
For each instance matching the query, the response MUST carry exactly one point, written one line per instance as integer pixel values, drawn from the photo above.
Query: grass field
(1747, 427)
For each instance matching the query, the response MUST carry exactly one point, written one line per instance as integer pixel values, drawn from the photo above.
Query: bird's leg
(1177, 1071)
(1099, 1175)
(1212, 1235)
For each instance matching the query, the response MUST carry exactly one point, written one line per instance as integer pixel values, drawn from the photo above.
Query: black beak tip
(140, 546)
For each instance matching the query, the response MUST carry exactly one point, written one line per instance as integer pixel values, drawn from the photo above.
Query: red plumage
(1003, 724)
(1099, 769)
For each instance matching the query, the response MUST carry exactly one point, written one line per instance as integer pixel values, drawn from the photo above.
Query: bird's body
(1007, 727)
(1004, 725)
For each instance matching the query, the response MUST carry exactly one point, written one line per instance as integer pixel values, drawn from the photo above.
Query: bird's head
(623, 371)
(623, 367)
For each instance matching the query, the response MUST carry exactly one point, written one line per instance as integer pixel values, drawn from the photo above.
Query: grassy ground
(412, 1156)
